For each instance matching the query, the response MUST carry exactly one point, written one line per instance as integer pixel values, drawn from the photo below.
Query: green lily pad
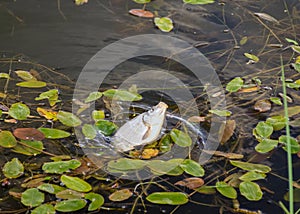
(221, 113)
(170, 198)
(122, 95)
(30, 147)
(32, 84)
(19, 111)
(292, 111)
(264, 129)
(208, 190)
(70, 205)
(89, 131)
(296, 195)
(44, 208)
(192, 167)
(180, 138)
(278, 122)
(51, 95)
(276, 100)
(51, 188)
(106, 127)
(252, 57)
(93, 96)
(250, 190)
(32, 197)
(165, 144)
(226, 190)
(4, 75)
(161, 167)
(235, 84)
(25, 75)
(142, 1)
(198, 1)
(68, 119)
(13, 168)
(266, 145)
(98, 115)
(7, 139)
(252, 176)
(75, 183)
(120, 195)
(165, 24)
(126, 164)
(54, 133)
(69, 194)
(97, 201)
(60, 167)
(295, 147)
(251, 166)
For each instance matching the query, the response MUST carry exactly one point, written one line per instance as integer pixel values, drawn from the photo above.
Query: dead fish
(141, 130)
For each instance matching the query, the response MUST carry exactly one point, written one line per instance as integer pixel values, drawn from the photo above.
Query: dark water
(66, 39)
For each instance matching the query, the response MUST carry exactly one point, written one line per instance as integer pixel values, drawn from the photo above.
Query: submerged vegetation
(43, 169)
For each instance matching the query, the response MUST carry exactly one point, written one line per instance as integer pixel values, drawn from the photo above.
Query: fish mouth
(162, 105)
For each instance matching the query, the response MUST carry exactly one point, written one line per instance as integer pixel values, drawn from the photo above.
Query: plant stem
(289, 153)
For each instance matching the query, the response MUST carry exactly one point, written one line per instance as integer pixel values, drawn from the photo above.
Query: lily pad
(295, 147)
(60, 167)
(266, 145)
(32, 197)
(226, 190)
(161, 167)
(98, 115)
(97, 201)
(75, 183)
(252, 57)
(69, 194)
(142, 1)
(51, 95)
(252, 176)
(68, 119)
(170, 198)
(126, 164)
(54, 133)
(120, 195)
(180, 138)
(276, 100)
(13, 168)
(47, 113)
(70, 205)
(28, 134)
(192, 167)
(19, 111)
(25, 75)
(278, 122)
(4, 75)
(251, 166)
(7, 139)
(250, 190)
(44, 208)
(93, 96)
(235, 84)
(221, 113)
(165, 144)
(106, 127)
(29, 147)
(122, 95)
(89, 131)
(51, 188)
(264, 129)
(32, 84)
(165, 24)
(198, 1)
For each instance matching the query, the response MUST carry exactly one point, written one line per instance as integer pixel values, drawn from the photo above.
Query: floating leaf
(252, 176)
(51, 95)
(122, 95)
(251, 166)
(126, 164)
(51, 188)
(32, 197)
(278, 122)
(208, 190)
(295, 147)
(98, 115)
(252, 57)
(192, 167)
(28, 134)
(25, 75)
(292, 111)
(198, 1)
(142, 1)
(149, 153)
(160, 167)
(89, 131)
(170, 198)
(60, 167)
(266, 145)
(7, 139)
(96, 201)
(54, 133)
(180, 138)
(81, 2)
(250, 190)
(165, 24)
(235, 84)
(244, 40)
(227, 155)
(69, 194)
(295, 123)
(4, 75)
(106, 127)
(141, 13)
(32, 84)
(221, 113)
(262, 105)
(75, 183)
(19, 111)
(266, 17)
(70, 205)
(29, 147)
(226, 190)
(296, 195)
(263, 129)
(227, 131)
(191, 183)
(296, 48)
(120, 195)
(68, 119)
(44, 208)
(93, 96)
(13, 168)
(291, 41)
(165, 144)
(47, 113)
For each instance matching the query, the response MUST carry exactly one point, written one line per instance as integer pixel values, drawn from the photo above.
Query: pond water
(63, 37)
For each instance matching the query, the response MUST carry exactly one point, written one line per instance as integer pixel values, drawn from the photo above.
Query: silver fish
(141, 130)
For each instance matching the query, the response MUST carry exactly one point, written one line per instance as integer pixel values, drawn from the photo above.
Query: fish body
(141, 130)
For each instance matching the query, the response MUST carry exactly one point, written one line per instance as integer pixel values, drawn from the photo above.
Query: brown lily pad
(141, 13)
(28, 134)
(262, 105)
(191, 183)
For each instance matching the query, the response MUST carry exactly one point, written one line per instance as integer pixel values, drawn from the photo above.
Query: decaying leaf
(196, 119)
(141, 13)
(266, 17)
(149, 153)
(47, 113)
(227, 130)
(229, 155)
(28, 134)
(120, 195)
(191, 183)
(262, 105)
